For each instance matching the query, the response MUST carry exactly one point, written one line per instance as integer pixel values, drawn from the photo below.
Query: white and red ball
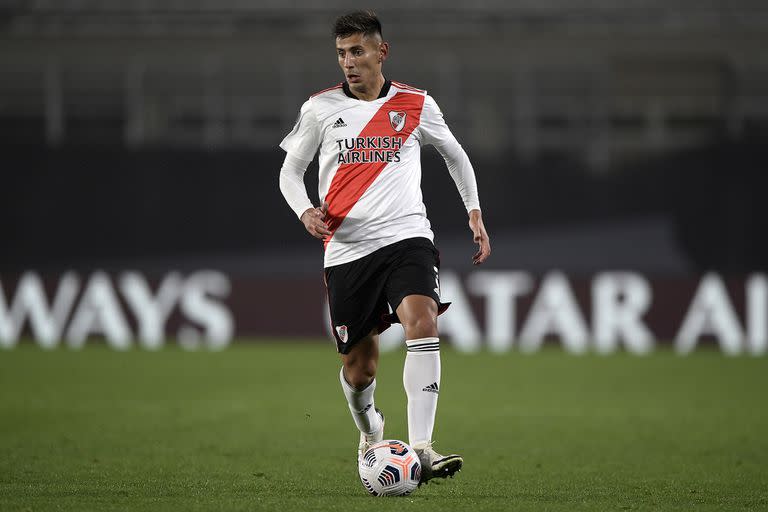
(390, 468)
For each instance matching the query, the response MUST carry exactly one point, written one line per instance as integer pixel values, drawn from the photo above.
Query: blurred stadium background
(620, 149)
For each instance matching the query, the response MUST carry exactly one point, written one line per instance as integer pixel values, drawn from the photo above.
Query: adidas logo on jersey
(339, 123)
(432, 388)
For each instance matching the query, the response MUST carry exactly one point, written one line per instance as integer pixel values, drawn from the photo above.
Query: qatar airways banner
(491, 310)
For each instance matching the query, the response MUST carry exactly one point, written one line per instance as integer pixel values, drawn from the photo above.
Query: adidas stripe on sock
(423, 345)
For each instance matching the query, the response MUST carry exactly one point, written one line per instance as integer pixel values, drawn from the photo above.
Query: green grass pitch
(266, 427)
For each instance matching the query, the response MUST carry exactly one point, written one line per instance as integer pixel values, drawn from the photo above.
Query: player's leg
(357, 303)
(413, 290)
(421, 372)
(421, 379)
(362, 361)
(358, 380)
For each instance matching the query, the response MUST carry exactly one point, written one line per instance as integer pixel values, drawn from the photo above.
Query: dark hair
(358, 22)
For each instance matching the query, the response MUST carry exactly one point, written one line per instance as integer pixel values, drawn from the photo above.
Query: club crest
(397, 120)
(342, 332)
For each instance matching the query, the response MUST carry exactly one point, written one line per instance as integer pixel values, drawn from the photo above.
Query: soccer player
(378, 243)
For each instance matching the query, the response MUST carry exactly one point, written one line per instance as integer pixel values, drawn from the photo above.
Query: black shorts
(361, 291)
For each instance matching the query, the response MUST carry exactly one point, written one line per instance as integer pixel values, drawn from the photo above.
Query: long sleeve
(435, 131)
(292, 184)
(460, 169)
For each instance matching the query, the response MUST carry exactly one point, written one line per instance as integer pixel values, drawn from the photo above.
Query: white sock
(361, 405)
(421, 379)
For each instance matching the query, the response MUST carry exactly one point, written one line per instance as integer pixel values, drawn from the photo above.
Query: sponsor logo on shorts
(342, 332)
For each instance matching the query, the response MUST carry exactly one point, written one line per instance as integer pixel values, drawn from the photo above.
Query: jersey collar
(383, 93)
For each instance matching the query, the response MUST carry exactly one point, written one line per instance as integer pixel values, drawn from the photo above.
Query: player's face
(360, 58)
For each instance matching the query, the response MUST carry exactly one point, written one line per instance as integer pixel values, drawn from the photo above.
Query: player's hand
(480, 236)
(314, 221)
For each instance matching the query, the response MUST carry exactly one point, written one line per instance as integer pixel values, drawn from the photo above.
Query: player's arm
(480, 237)
(435, 131)
(295, 194)
(300, 146)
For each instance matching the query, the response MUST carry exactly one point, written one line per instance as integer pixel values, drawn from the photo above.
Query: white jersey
(370, 165)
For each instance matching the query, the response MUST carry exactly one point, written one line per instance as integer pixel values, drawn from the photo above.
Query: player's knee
(421, 326)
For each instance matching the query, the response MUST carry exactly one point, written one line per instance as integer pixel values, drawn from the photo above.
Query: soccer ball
(390, 468)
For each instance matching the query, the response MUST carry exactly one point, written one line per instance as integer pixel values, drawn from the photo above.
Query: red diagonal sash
(352, 180)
